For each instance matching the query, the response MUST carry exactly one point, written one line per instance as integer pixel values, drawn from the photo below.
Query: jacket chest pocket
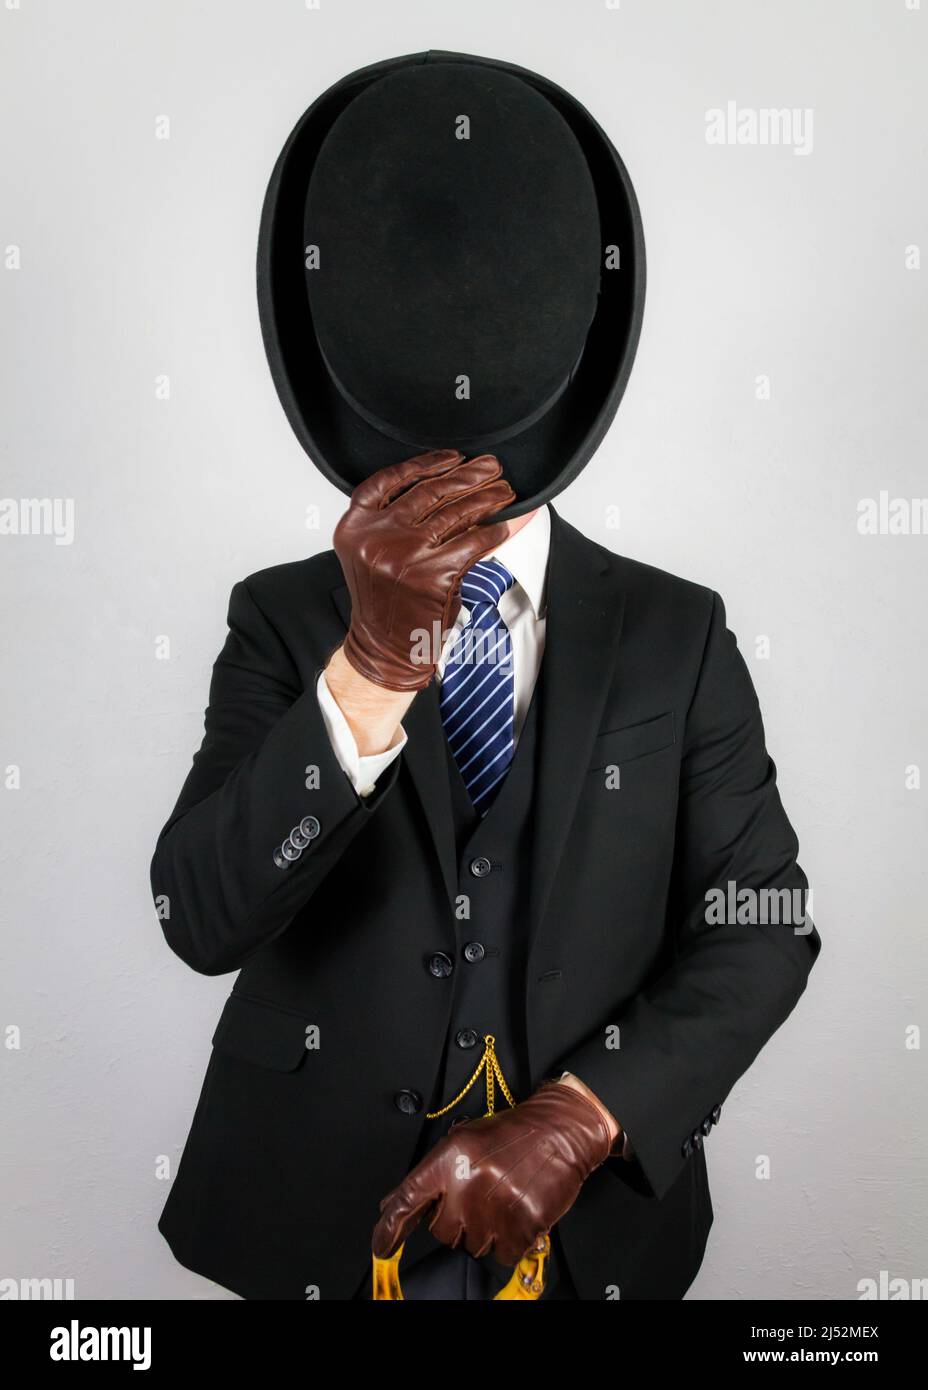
(614, 747)
(267, 1035)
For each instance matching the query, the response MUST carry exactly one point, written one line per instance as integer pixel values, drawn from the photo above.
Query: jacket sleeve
(686, 1039)
(265, 769)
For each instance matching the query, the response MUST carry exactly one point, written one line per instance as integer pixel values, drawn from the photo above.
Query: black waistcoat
(494, 874)
(489, 981)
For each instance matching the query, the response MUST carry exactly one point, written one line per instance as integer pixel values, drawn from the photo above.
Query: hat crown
(459, 253)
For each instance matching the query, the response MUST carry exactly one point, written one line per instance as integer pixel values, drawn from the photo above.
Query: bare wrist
(373, 713)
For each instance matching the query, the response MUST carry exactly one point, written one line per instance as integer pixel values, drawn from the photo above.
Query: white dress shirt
(522, 609)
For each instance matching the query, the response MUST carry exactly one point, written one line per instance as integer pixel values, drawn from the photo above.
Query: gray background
(137, 260)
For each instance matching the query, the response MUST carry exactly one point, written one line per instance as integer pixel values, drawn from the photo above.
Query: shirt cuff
(362, 773)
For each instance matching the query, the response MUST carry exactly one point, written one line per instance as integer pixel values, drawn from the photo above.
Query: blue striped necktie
(477, 688)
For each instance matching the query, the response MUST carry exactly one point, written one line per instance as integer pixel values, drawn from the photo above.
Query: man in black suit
(469, 790)
(374, 933)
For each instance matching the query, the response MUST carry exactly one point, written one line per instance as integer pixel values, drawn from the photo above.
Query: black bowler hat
(450, 255)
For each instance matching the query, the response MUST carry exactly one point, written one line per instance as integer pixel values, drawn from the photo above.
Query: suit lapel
(424, 756)
(585, 608)
(427, 762)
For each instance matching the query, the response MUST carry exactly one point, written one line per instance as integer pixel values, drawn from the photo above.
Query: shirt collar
(525, 556)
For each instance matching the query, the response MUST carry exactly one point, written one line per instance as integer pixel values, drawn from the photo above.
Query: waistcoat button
(480, 867)
(440, 965)
(408, 1102)
(466, 1038)
(474, 951)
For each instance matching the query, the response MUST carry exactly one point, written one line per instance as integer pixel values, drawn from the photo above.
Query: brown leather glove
(524, 1168)
(410, 534)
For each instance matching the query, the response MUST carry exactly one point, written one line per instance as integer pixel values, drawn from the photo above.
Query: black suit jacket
(291, 1147)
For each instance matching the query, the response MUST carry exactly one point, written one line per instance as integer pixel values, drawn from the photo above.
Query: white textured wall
(137, 259)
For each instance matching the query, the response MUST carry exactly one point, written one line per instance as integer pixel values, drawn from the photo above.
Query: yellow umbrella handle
(527, 1282)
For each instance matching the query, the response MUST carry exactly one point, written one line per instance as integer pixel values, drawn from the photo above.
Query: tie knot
(486, 582)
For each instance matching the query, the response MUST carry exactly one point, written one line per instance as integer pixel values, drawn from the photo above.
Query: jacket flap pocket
(260, 1033)
(617, 746)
